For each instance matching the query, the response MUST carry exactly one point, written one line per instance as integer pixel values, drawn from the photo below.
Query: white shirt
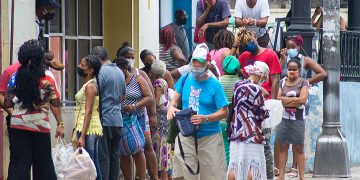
(260, 10)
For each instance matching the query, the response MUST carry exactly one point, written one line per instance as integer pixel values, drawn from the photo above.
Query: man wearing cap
(205, 95)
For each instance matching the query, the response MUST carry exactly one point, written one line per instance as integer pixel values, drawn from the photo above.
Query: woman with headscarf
(32, 92)
(247, 157)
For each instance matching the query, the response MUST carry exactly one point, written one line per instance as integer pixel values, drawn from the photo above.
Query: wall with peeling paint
(349, 117)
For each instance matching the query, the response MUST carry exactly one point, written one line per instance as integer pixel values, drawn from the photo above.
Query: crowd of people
(124, 114)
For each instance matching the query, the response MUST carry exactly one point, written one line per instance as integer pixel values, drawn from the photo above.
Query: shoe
(276, 172)
(55, 65)
(293, 173)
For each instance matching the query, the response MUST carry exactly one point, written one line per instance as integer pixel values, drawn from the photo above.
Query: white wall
(149, 26)
(24, 23)
(166, 12)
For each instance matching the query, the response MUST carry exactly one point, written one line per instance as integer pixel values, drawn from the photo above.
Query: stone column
(331, 156)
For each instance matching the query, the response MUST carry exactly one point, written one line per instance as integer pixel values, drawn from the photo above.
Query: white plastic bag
(80, 166)
(276, 110)
(60, 155)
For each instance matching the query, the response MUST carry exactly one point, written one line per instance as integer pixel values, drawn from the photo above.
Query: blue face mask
(251, 47)
(292, 53)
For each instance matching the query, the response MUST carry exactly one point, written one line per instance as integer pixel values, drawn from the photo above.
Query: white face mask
(199, 72)
(132, 62)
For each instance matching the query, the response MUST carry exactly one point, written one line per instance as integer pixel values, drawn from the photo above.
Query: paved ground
(355, 175)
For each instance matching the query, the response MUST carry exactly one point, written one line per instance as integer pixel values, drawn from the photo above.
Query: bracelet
(60, 124)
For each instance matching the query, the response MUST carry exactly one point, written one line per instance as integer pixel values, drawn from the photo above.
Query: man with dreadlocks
(223, 40)
(170, 53)
(253, 52)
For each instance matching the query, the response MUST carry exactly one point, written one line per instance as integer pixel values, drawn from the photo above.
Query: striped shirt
(249, 112)
(33, 120)
(167, 58)
(134, 95)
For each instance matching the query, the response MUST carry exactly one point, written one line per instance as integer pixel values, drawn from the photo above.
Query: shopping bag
(132, 137)
(276, 110)
(60, 155)
(80, 166)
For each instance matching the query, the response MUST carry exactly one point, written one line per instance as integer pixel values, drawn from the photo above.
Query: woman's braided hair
(223, 38)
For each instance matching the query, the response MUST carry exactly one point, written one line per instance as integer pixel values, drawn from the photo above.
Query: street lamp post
(301, 24)
(331, 156)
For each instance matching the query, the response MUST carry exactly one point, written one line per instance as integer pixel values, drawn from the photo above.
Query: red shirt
(267, 56)
(5, 77)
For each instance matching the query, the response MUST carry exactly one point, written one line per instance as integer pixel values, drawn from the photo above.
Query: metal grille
(349, 55)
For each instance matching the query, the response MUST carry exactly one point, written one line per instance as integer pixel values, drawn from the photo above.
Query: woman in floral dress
(159, 133)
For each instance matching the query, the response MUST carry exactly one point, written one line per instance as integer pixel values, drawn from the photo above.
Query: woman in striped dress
(170, 53)
(138, 96)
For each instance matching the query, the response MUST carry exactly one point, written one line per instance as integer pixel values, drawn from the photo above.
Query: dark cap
(52, 3)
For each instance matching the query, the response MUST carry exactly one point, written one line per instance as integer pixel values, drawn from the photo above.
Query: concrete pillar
(353, 16)
(331, 156)
(301, 24)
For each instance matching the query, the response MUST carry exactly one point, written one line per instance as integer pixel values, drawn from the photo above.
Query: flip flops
(293, 173)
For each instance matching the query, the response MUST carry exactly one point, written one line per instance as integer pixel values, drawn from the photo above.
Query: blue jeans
(91, 146)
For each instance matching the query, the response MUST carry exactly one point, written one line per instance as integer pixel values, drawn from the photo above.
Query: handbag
(197, 38)
(186, 127)
(173, 127)
(132, 137)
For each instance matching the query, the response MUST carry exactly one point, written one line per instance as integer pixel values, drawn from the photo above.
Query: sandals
(276, 172)
(293, 173)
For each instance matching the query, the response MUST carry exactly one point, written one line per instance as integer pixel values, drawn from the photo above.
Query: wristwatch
(206, 118)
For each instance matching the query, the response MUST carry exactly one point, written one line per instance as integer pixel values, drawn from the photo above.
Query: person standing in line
(247, 158)
(170, 53)
(138, 96)
(180, 32)
(112, 92)
(148, 58)
(254, 14)
(150, 118)
(159, 133)
(87, 120)
(253, 52)
(211, 16)
(205, 95)
(31, 93)
(293, 93)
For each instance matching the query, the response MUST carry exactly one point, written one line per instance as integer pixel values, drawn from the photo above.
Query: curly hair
(167, 37)
(244, 36)
(223, 38)
(31, 58)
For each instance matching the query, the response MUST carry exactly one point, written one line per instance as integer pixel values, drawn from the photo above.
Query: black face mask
(183, 21)
(49, 16)
(81, 72)
(148, 66)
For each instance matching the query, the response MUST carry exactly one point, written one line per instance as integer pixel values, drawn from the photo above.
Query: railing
(349, 55)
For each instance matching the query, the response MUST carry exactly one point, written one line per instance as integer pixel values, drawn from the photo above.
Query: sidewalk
(355, 175)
